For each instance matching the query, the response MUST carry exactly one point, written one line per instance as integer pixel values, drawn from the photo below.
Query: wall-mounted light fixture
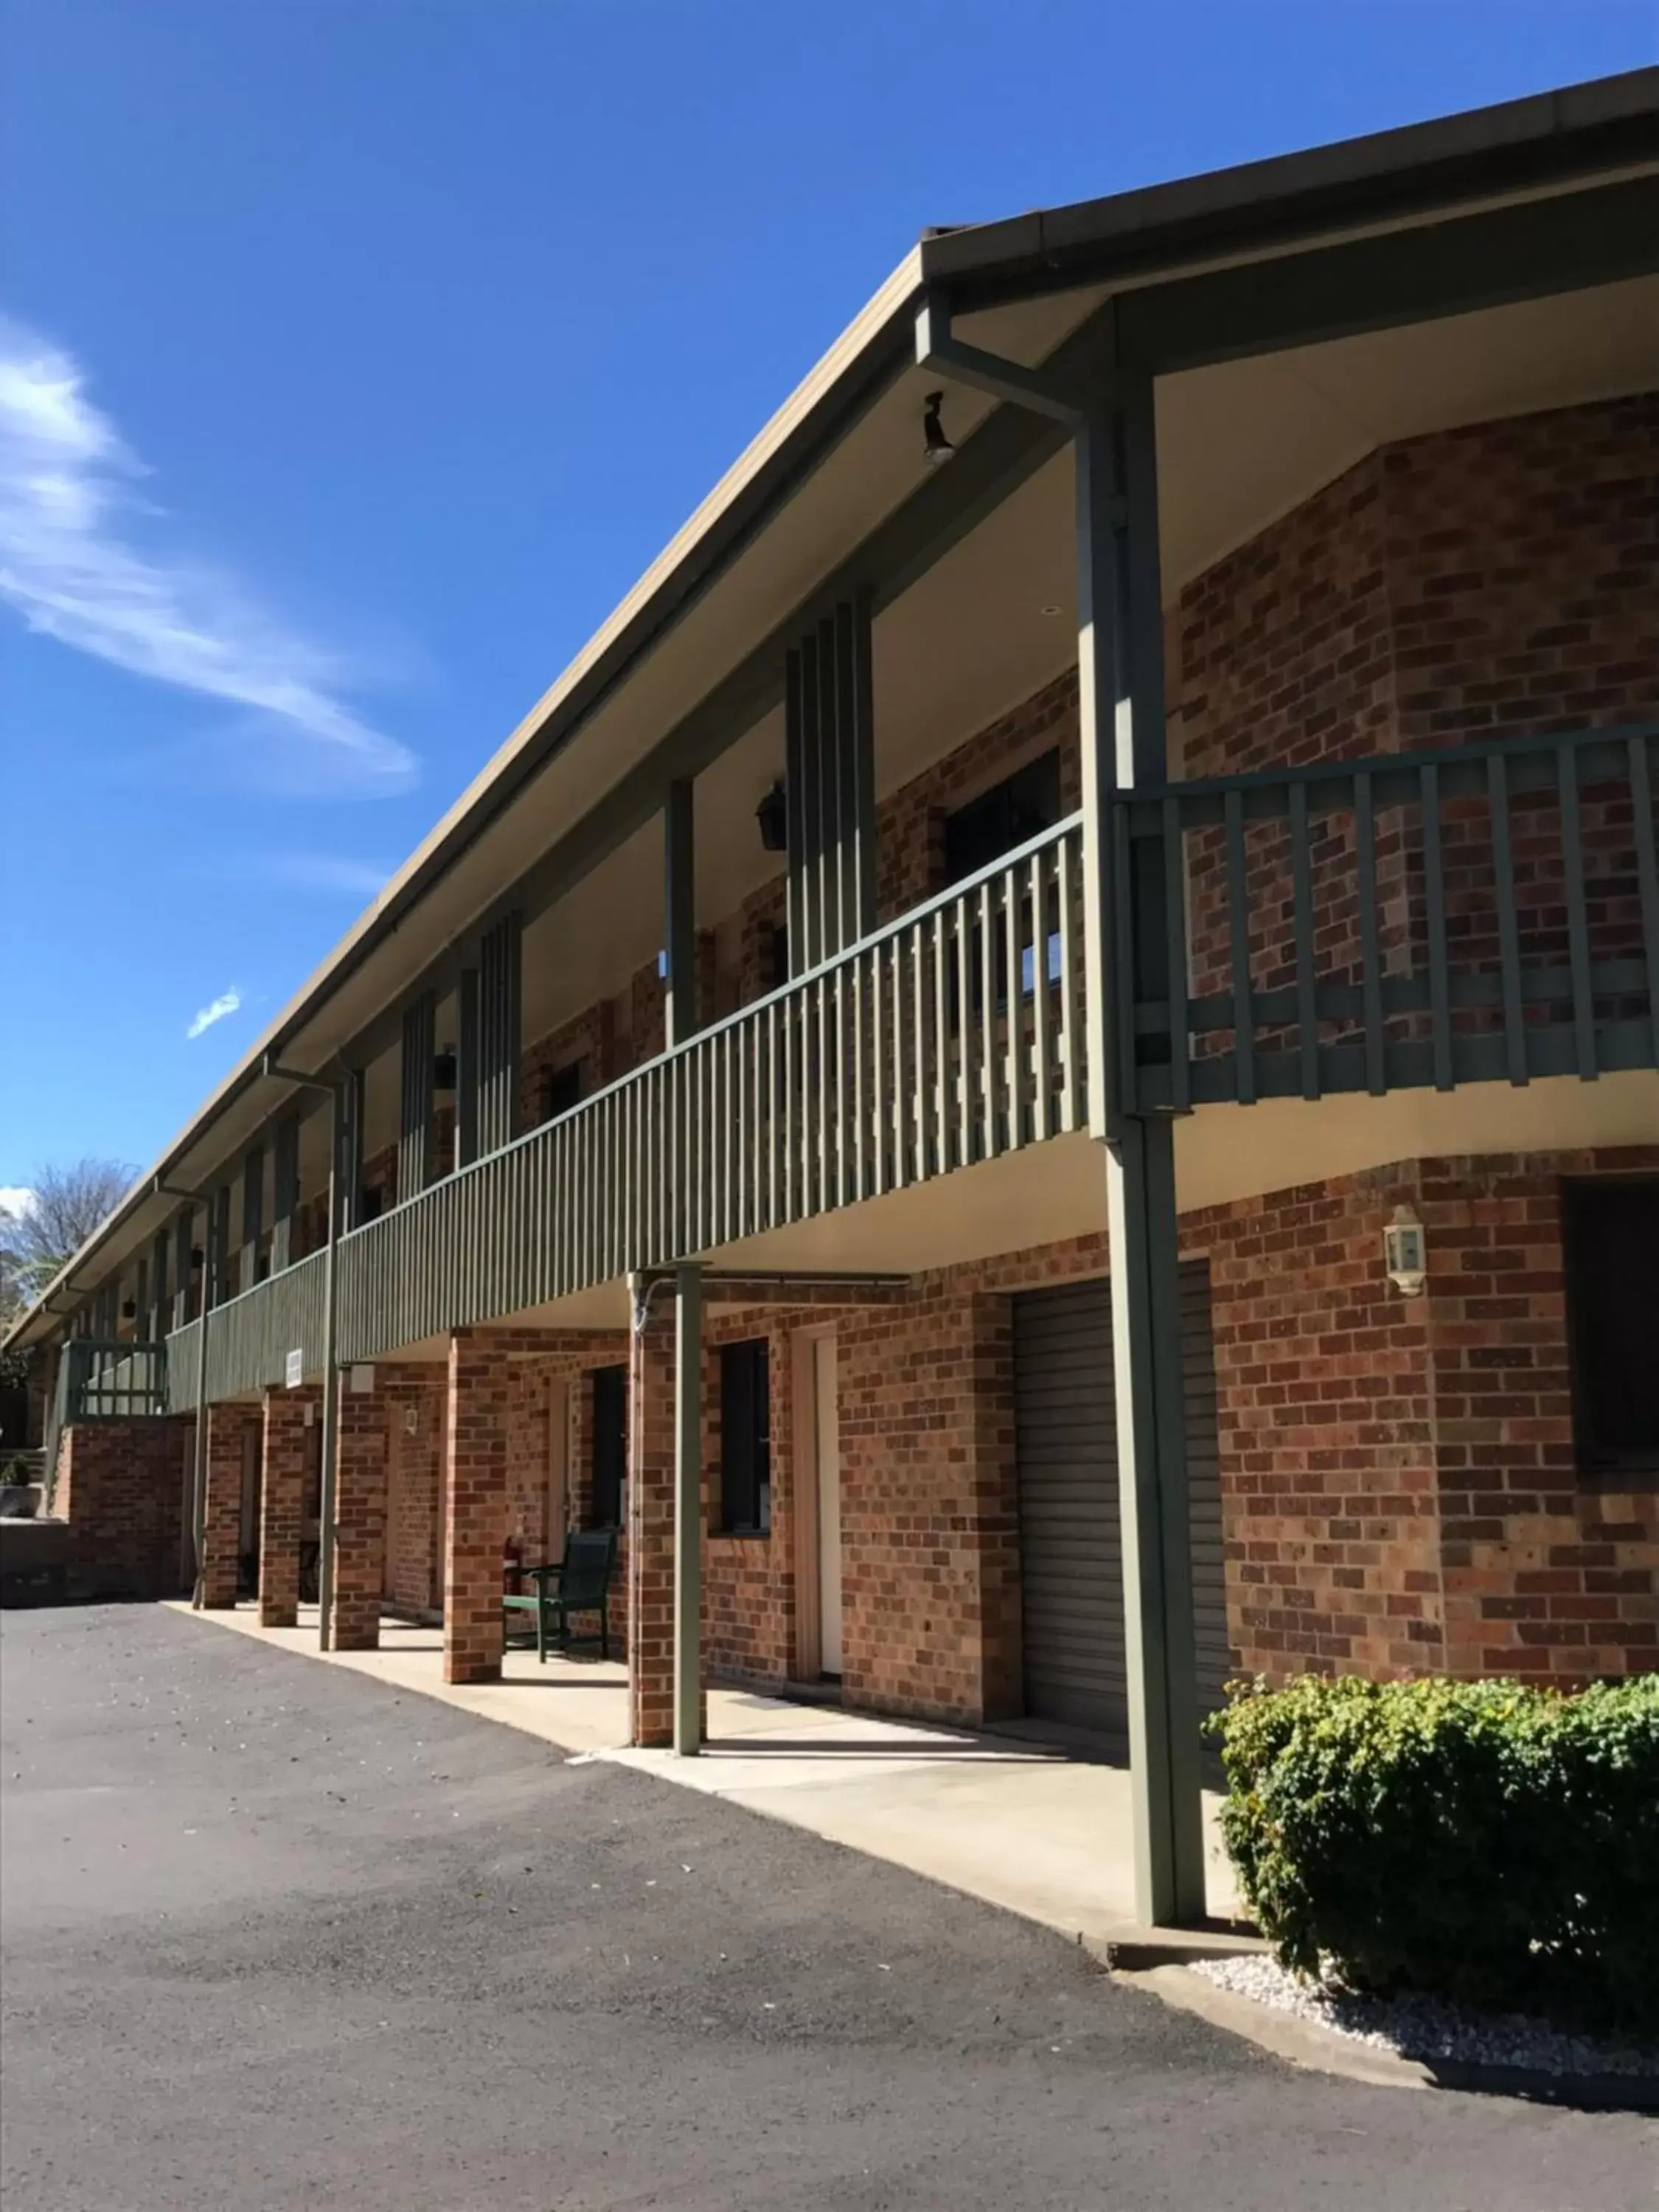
(411, 1420)
(196, 1257)
(444, 1069)
(129, 1309)
(1406, 1253)
(936, 447)
(773, 816)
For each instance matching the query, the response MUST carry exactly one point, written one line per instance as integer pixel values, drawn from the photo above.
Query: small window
(1611, 1229)
(1022, 806)
(564, 1090)
(745, 1439)
(312, 1500)
(775, 956)
(610, 1388)
(371, 1204)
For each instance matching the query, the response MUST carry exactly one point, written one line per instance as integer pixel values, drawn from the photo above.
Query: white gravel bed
(1425, 2027)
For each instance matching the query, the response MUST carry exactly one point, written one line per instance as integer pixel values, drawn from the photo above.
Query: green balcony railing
(953, 1035)
(1483, 913)
(104, 1379)
(250, 1337)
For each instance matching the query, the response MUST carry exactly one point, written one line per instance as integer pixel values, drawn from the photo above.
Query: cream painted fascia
(1051, 1192)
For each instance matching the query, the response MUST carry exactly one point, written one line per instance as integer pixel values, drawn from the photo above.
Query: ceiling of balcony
(1239, 445)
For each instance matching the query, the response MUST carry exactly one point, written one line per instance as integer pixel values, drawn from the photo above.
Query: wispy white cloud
(73, 564)
(324, 871)
(204, 1018)
(16, 1199)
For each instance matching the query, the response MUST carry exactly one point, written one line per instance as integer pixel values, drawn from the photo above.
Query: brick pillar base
(475, 1508)
(287, 1415)
(359, 1519)
(651, 1529)
(222, 1539)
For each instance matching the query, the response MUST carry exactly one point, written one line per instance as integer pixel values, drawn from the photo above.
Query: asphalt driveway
(276, 1935)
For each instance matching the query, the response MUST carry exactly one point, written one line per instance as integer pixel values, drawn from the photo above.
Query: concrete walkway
(1029, 1825)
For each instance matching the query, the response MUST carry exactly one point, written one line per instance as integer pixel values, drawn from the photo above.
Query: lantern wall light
(1406, 1253)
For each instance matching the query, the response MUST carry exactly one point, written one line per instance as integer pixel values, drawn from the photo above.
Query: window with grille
(1611, 1231)
(745, 1439)
(610, 1410)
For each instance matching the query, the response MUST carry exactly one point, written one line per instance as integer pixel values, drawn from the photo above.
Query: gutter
(1519, 146)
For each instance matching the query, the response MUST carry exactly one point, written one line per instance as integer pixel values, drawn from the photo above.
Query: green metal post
(338, 1121)
(1120, 673)
(198, 1469)
(688, 1511)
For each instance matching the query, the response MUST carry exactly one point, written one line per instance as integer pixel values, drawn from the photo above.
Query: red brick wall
(1546, 1571)
(120, 1485)
(228, 1429)
(360, 1509)
(929, 1572)
(651, 1532)
(749, 1582)
(1398, 1490)
(475, 1505)
(1497, 580)
(380, 1173)
(590, 1037)
(414, 1567)
(1325, 1415)
(910, 823)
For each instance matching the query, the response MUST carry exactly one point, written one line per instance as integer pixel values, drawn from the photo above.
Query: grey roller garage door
(1072, 1564)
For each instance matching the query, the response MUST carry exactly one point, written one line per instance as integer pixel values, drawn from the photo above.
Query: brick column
(475, 1508)
(651, 1529)
(222, 1535)
(281, 1500)
(359, 1519)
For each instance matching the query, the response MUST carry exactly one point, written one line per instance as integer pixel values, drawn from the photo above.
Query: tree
(63, 1206)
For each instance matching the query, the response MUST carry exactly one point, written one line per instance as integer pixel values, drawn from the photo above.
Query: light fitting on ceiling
(937, 448)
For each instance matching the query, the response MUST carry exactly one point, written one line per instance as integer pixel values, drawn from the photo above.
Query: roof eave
(1520, 145)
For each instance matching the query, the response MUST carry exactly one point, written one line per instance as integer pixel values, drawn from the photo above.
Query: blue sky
(357, 355)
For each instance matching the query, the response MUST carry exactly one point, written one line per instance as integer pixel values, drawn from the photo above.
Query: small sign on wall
(360, 1380)
(293, 1372)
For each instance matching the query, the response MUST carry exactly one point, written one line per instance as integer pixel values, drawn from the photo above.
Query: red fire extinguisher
(512, 1566)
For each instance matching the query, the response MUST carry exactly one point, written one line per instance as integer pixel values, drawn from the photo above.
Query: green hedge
(1486, 1841)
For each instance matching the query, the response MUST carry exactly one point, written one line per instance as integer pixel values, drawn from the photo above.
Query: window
(1611, 1231)
(775, 956)
(609, 1408)
(745, 1439)
(1022, 806)
(564, 1090)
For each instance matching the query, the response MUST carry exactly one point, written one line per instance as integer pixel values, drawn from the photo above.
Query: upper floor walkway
(1478, 915)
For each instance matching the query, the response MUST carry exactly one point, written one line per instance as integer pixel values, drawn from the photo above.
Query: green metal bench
(580, 1583)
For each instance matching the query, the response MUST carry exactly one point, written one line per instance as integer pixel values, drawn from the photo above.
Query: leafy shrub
(1492, 1843)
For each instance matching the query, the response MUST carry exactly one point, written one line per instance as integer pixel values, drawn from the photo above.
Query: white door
(827, 1454)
